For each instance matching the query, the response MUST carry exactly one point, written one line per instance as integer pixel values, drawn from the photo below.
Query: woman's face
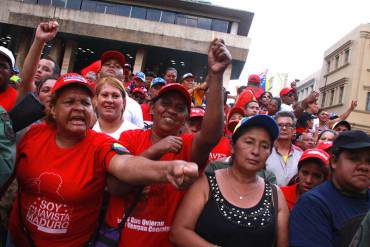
(45, 92)
(272, 107)
(252, 149)
(327, 136)
(73, 112)
(265, 99)
(310, 175)
(110, 103)
(169, 113)
(323, 116)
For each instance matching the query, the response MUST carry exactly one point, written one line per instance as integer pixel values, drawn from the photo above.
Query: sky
(291, 36)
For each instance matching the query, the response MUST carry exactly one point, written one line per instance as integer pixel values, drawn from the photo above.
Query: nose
(308, 179)
(255, 150)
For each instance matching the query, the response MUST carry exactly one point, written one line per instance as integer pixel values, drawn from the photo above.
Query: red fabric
(95, 66)
(249, 94)
(145, 108)
(290, 193)
(150, 223)
(257, 92)
(8, 98)
(62, 188)
(221, 150)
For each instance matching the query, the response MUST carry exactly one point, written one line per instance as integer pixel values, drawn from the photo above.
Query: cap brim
(355, 145)
(174, 87)
(89, 88)
(263, 121)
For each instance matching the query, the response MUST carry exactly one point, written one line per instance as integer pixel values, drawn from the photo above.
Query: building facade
(307, 85)
(153, 35)
(345, 76)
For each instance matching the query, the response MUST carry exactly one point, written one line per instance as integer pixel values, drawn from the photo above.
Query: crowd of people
(138, 159)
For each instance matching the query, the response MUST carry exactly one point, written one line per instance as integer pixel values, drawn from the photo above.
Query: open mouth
(77, 120)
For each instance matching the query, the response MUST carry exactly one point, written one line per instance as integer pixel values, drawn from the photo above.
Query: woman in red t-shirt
(62, 167)
(150, 222)
(312, 171)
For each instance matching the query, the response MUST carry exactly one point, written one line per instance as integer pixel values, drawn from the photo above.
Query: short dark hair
(278, 101)
(170, 69)
(285, 114)
(56, 69)
(150, 73)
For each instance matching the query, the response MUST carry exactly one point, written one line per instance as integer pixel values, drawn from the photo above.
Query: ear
(52, 111)
(152, 108)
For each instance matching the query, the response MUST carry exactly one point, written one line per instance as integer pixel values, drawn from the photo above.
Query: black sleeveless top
(226, 225)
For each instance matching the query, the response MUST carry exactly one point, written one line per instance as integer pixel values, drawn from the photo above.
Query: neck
(283, 144)
(109, 125)
(64, 140)
(242, 177)
(158, 134)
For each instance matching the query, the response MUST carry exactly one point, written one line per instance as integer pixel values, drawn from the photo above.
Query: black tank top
(226, 225)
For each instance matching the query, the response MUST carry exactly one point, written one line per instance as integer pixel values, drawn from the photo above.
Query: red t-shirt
(290, 193)
(62, 188)
(151, 221)
(221, 150)
(145, 108)
(8, 98)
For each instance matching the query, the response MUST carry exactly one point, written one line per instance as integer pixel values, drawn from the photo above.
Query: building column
(140, 60)
(234, 28)
(24, 44)
(227, 76)
(56, 50)
(69, 56)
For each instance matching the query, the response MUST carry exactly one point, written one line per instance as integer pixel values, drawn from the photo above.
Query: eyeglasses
(285, 126)
(290, 94)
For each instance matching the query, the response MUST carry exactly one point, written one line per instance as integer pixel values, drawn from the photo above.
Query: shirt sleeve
(310, 224)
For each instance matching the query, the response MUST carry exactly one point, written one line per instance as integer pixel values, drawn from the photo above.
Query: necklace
(241, 197)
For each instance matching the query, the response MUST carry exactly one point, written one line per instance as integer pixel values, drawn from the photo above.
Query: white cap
(8, 54)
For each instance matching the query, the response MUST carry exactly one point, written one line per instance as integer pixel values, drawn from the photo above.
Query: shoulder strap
(129, 210)
(20, 218)
(275, 200)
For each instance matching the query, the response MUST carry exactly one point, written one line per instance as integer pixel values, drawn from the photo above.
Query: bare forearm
(30, 67)
(118, 188)
(212, 126)
(151, 153)
(183, 237)
(136, 170)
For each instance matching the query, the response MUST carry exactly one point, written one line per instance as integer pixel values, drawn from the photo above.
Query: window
(204, 23)
(100, 7)
(30, 1)
(368, 102)
(341, 91)
(331, 97)
(336, 61)
(168, 17)
(220, 26)
(346, 56)
(180, 19)
(44, 2)
(328, 66)
(323, 99)
(123, 10)
(88, 5)
(59, 3)
(111, 9)
(73, 4)
(153, 14)
(138, 12)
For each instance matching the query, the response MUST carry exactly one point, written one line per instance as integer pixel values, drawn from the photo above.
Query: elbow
(173, 235)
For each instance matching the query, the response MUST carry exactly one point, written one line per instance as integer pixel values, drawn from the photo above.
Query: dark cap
(351, 140)
(260, 120)
(343, 122)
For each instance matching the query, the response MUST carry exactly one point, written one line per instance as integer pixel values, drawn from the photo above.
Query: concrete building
(346, 77)
(153, 34)
(307, 85)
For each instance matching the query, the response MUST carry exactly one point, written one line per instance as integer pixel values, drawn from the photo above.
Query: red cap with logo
(197, 112)
(254, 78)
(285, 91)
(138, 90)
(315, 153)
(176, 88)
(113, 55)
(73, 78)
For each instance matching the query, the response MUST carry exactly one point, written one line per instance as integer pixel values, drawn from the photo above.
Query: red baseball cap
(315, 153)
(73, 78)
(196, 112)
(285, 91)
(254, 78)
(176, 88)
(323, 145)
(233, 110)
(138, 90)
(115, 55)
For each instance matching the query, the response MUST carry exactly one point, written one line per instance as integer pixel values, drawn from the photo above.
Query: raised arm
(45, 32)
(137, 170)
(344, 115)
(219, 59)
